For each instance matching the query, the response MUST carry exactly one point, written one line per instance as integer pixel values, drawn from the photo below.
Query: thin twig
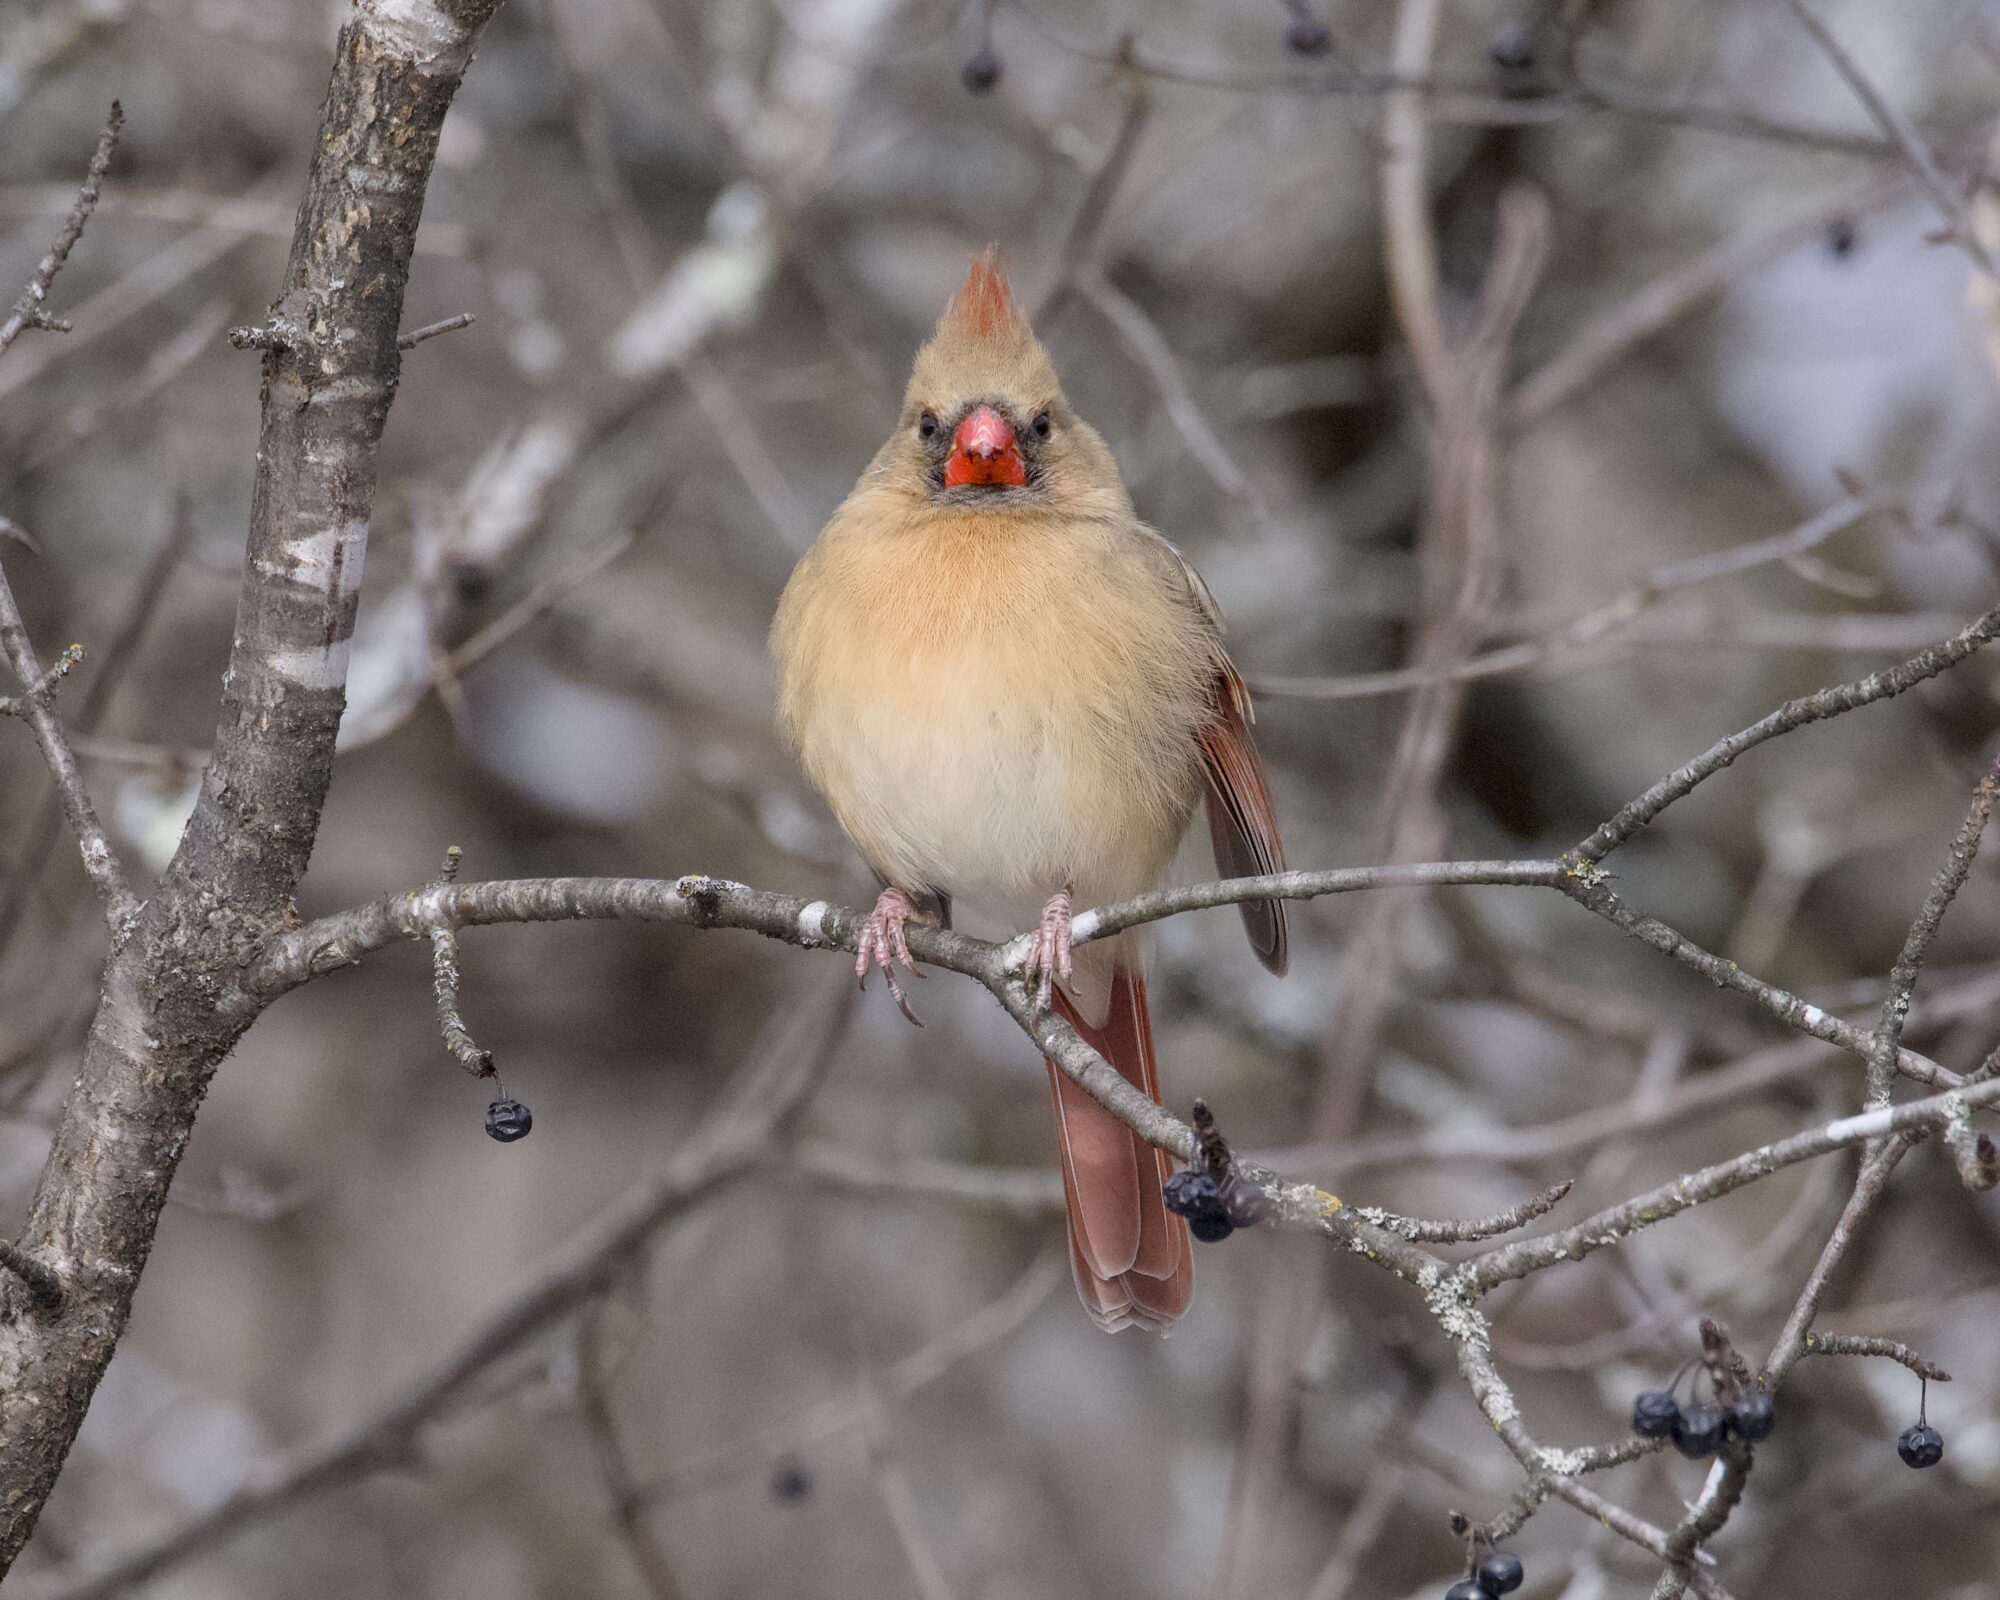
(430, 330)
(1848, 1344)
(1876, 1169)
(1601, 341)
(444, 984)
(1670, 1199)
(100, 861)
(1904, 136)
(17, 705)
(1463, 1231)
(1587, 888)
(115, 660)
(1916, 946)
(628, 1499)
(1360, 1530)
(1023, 1191)
(29, 310)
(1833, 702)
(1149, 347)
(1408, 240)
(1595, 625)
(898, 1380)
(1092, 210)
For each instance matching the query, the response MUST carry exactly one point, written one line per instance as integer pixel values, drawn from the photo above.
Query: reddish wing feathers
(1133, 1262)
(1242, 824)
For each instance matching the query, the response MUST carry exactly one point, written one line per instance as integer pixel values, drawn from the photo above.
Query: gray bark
(174, 1001)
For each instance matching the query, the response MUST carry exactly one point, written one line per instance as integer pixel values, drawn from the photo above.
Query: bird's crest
(984, 308)
(983, 349)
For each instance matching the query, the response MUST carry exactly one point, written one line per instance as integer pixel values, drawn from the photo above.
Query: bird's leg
(883, 943)
(1049, 955)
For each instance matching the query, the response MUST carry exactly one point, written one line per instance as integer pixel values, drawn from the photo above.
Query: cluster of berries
(1500, 1573)
(1700, 1429)
(1215, 1198)
(1216, 1207)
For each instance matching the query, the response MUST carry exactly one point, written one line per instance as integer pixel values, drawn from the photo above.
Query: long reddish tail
(1133, 1262)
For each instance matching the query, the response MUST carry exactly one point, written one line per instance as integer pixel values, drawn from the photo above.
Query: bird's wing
(1242, 823)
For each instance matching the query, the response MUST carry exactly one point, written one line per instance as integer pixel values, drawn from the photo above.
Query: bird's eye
(926, 425)
(1041, 425)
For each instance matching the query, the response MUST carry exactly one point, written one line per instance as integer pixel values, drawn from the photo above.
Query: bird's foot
(1049, 956)
(883, 943)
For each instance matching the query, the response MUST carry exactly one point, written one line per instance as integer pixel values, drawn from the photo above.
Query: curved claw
(1050, 954)
(883, 943)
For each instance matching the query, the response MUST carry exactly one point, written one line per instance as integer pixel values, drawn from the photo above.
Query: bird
(1012, 693)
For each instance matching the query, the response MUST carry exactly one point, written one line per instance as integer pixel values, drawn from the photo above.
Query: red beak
(983, 451)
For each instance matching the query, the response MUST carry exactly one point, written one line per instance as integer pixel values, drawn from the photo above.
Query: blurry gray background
(701, 243)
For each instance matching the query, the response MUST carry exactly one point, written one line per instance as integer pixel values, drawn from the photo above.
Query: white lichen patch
(328, 559)
(314, 667)
(1566, 1463)
(1498, 1404)
(694, 883)
(1448, 1300)
(812, 923)
(422, 30)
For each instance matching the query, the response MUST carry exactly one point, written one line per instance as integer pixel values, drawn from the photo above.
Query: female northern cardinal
(1011, 691)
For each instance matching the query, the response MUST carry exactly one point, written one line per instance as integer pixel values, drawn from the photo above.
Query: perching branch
(709, 903)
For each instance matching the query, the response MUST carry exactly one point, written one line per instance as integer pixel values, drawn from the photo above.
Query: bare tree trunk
(173, 1001)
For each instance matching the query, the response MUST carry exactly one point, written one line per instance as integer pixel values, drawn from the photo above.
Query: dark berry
(1500, 1572)
(1699, 1432)
(790, 1482)
(1753, 1416)
(1655, 1414)
(1308, 36)
(1513, 47)
(981, 70)
(1190, 1191)
(472, 579)
(1198, 1197)
(1467, 1590)
(1921, 1445)
(1244, 1204)
(508, 1120)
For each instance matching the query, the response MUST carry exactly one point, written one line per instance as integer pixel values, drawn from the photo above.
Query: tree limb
(171, 1003)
